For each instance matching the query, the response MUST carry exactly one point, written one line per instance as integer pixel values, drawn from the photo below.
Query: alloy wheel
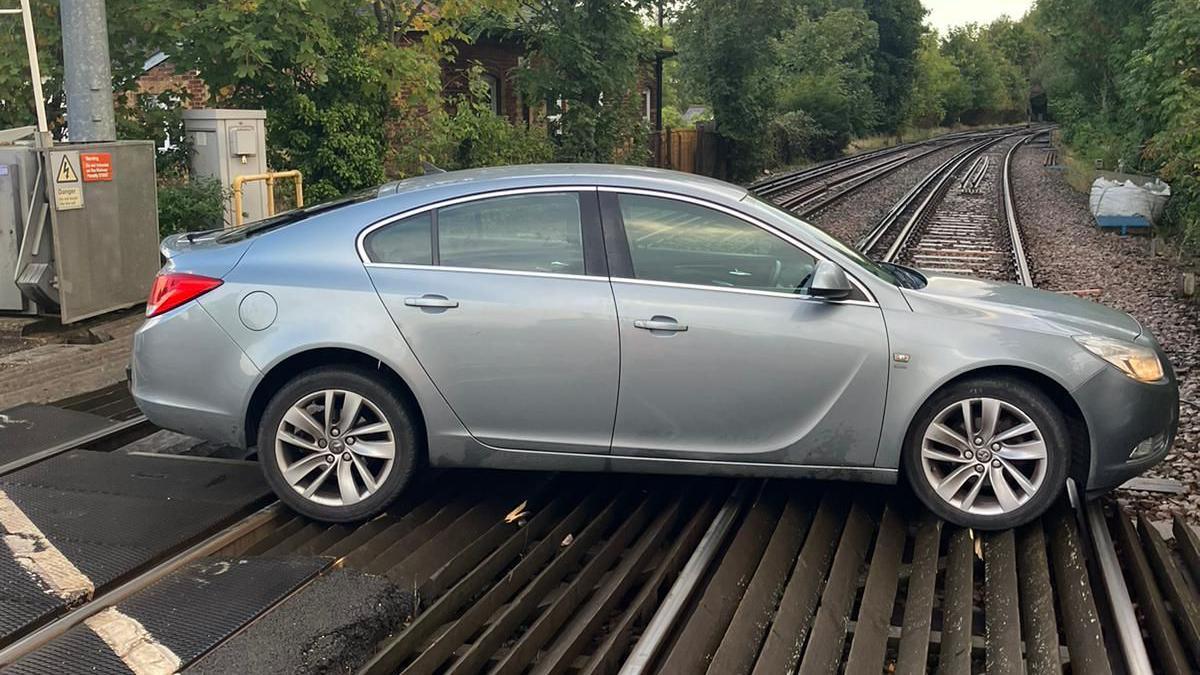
(984, 456)
(335, 447)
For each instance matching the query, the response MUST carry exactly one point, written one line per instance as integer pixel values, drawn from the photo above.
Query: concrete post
(87, 72)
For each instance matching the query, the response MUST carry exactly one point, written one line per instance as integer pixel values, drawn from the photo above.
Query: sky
(946, 13)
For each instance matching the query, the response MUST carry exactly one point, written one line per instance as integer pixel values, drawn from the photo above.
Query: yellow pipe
(270, 179)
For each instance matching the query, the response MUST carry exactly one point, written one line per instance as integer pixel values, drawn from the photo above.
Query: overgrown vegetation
(584, 62)
(476, 136)
(189, 204)
(1123, 80)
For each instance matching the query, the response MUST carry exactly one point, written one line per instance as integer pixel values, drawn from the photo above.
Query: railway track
(959, 219)
(810, 190)
(546, 573)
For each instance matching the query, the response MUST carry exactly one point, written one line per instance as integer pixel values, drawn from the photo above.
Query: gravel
(1068, 252)
(850, 218)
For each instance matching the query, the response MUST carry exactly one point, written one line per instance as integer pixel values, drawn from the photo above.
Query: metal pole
(658, 94)
(35, 75)
(87, 72)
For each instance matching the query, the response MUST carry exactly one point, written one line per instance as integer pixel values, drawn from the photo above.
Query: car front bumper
(1122, 413)
(188, 375)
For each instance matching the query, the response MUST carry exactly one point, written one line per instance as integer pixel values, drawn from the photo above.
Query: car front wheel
(337, 445)
(988, 453)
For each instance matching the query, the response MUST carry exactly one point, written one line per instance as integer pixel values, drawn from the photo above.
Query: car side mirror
(830, 282)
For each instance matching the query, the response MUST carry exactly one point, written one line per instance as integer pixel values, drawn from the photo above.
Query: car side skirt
(539, 460)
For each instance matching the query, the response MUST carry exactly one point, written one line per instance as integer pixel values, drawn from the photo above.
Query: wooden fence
(692, 150)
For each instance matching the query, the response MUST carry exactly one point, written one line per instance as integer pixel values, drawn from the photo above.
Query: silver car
(597, 318)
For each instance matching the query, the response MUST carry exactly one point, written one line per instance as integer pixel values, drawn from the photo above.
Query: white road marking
(135, 645)
(40, 558)
(126, 636)
(6, 421)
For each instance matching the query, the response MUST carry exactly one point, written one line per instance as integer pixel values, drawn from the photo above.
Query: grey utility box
(227, 144)
(78, 226)
(18, 191)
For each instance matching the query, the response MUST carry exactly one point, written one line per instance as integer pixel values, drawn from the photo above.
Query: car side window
(679, 242)
(408, 241)
(539, 232)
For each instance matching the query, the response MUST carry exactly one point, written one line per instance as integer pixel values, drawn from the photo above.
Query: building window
(646, 111)
(493, 85)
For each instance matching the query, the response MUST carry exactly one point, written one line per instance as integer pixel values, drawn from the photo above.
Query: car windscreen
(817, 233)
(288, 217)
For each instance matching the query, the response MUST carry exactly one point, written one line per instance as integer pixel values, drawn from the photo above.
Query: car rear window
(296, 215)
(408, 241)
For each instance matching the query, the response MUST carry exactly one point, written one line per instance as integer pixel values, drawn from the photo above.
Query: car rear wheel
(988, 453)
(337, 445)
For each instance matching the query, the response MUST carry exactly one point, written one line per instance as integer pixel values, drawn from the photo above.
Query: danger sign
(96, 166)
(66, 172)
(68, 190)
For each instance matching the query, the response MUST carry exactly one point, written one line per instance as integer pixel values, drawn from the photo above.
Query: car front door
(723, 356)
(505, 302)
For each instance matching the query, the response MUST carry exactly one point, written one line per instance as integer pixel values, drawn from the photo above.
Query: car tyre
(328, 469)
(1003, 470)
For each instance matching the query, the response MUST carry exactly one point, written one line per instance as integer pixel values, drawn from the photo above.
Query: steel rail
(1129, 632)
(113, 429)
(794, 179)
(650, 642)
(209, 546)
(810, 193)
(772, 185)
(1089, 512)
(1010, 215)
(851, 183)
(931, 188)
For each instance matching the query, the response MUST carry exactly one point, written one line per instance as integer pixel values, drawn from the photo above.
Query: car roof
(471, 181)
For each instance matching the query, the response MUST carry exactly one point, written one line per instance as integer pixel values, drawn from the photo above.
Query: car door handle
(434, 301)
(660, 323)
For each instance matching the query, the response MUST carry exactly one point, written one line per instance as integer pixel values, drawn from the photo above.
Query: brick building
(159, 76)
(499, 58)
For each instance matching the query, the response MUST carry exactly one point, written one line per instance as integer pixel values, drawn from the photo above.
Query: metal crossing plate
(114, 402)
(105, 516)
(30, 428)
(186, 614)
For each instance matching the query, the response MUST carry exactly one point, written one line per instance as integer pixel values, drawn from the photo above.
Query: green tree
(479, 137)
(1162, 86)
(584, 63)
(997, 92)
(900, 27)
(826, 69)
(939, 92)
(351, 95)
(722, 48)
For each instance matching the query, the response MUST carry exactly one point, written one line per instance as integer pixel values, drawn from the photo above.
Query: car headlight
(1140, 363)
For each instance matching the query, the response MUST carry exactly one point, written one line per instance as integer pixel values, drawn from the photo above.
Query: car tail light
(173, 289)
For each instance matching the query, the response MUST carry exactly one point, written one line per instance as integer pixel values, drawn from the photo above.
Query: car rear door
(505, 301)
(721, 358)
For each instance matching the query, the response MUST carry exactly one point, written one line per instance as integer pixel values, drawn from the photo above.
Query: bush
(190, 204)
(796, 136)
(482, 138)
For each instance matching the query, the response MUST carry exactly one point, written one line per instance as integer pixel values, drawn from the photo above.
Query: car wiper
(908, 278)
